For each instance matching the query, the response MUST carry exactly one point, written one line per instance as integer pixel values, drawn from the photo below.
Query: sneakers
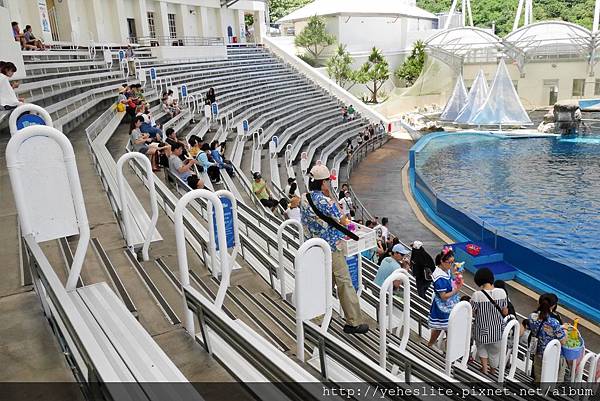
(360, 329)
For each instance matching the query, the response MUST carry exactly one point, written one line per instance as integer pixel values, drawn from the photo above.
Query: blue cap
(401, 249)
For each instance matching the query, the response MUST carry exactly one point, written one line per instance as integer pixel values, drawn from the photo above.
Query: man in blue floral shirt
(317, 228)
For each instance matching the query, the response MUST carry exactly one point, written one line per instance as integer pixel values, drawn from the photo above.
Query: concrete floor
(378, 184)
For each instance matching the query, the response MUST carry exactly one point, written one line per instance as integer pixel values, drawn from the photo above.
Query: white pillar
(596, 16)
(222, 16)
(202, 17)
(162, 26)
(260, 27)
(240, 29)
(121, 21)
(97, 21)
(182, 18)
(141, 24)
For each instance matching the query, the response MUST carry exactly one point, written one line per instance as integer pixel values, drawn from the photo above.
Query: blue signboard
(26, 120)
(184, 92)
(121, 55)
(228, 217)
(245, 125)
(215, 109)
(153, 73)
(275, 139)
(352, 263)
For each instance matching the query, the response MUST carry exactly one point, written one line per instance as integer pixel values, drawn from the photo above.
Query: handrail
(511, 326)
(281, 268)
(182, 259)
(125, 200)
(27, 108)
(302, 284)
(387, 289)
(16, 167)
(179, 41)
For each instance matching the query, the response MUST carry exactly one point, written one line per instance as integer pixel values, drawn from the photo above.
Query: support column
(141, 22)
(203, 21)
(97, 21)
(121, 21)
(260, 27)
(222, 16)
(162, 26)
(240, 29)
(182, 17)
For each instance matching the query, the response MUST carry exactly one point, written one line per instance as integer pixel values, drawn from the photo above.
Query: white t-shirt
(7, 93)
(294, 214)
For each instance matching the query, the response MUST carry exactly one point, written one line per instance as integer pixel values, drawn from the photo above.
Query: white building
(115, 21)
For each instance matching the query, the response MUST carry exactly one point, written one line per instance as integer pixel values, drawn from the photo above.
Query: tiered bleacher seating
(257, 326)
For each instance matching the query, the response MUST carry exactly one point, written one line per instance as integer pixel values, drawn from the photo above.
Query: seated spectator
(182, 169)
(259, 187)
(31, 40)
(204, 158)
(348, 208)
(172, 140)
(291, 189)
(126, 106)
(149, 126)
(397, 259)
(489, 309)
(195, 146)
(218, 158)
(8, 97)
(293, 210)
(143, 143)
(138, 92)
(19, 37)
(211, 97)
(195, 182)
(343, 191)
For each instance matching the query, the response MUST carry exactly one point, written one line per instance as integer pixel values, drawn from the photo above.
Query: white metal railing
(178, 41)
(386, 312)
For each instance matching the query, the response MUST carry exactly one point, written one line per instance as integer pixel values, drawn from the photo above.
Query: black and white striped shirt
(488, 320)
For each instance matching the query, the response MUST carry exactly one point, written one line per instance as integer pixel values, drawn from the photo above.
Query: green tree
(281, 8)
(314, 37)
(248, 20)
(339, 68)
(374, 72)
(410, 70)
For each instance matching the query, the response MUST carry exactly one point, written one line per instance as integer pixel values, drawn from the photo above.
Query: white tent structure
(457, 101)
(477, 97)
(502, 106)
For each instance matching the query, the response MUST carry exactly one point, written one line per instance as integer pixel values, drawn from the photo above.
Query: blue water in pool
(543, 191)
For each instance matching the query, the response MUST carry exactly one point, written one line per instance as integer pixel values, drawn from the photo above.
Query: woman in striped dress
(445, 294)
(489, 308)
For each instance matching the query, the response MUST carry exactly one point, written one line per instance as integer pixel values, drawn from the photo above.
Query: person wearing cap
(320, 195)
(259, 187)
(398, 260)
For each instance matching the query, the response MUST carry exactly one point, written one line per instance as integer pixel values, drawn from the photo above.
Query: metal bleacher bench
(108, 170)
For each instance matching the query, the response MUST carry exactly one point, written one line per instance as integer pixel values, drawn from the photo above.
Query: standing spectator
(316, 206)
(31, 40)
(351, 112)
(553, 300)
(291, 189)
(501, 284)
(344, 114)
(211, 168)
(347, 206)
(445, 296)
(293, 210)
(182, 169)
(398, 259)
(8, 97)
(259, 187)
(343, 191)
(544, 328)
(383, 230)
(489, 309)
(422, 267)
(130, 57)
(211, 97)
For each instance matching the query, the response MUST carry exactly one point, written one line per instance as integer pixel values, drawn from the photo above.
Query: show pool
(541, 193)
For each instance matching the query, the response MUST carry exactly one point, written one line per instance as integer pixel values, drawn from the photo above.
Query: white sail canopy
(477, 96)
(456, 102)
(502, 106)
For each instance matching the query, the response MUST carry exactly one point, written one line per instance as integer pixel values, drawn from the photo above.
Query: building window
(597, 88)
(151, 26)
(172, 26)
(578, 85)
